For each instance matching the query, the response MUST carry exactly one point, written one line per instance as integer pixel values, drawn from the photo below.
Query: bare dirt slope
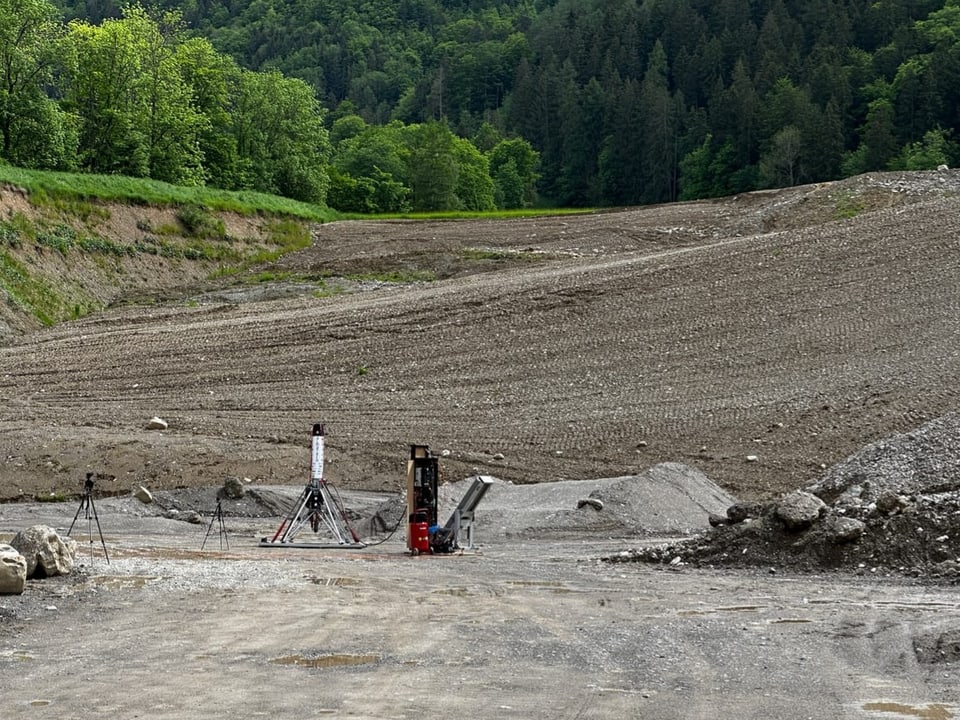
(760, 339)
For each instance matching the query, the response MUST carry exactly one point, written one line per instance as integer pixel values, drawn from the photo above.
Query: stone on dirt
(13, 571)
(233, 488)
(187, 516)
(799, 510)
(143, 495)
(46, 553)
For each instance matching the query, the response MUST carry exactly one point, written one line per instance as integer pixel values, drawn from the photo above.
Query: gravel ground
(521, 627)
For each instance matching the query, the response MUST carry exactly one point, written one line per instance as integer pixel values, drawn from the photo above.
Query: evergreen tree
(659, 127)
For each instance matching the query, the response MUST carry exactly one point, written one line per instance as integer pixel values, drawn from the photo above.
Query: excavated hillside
(760, 339)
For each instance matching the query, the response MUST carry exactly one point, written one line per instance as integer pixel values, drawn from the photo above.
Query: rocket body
(316, 466)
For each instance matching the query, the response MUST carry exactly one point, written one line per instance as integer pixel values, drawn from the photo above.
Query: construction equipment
(457, 533)
(422, 476)
(317, 507)
(424, 535)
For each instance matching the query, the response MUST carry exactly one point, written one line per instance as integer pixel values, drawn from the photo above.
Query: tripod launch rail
(317, 508)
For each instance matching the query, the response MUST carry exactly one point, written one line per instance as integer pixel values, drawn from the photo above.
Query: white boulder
(46, 553)
(13, 571)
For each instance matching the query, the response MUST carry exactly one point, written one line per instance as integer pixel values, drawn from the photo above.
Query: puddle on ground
(122, 582)
(333, 581)
(536, 583)
(934, 711)
(326, 661)
(455, 591)
(731, 608)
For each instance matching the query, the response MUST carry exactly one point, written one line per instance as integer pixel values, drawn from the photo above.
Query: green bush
(200, 223)
(61, 238)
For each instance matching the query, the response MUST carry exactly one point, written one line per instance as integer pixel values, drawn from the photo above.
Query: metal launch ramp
(457, 533)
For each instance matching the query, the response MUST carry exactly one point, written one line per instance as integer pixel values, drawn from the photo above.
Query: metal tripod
(90, 514)
(317, 507)
(217, 517)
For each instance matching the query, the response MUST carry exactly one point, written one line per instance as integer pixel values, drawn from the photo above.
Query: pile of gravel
(669, 499)
(891, 508)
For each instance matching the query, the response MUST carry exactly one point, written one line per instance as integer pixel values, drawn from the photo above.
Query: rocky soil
(893, 508)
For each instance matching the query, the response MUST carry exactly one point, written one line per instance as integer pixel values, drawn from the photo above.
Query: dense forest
(392, 105)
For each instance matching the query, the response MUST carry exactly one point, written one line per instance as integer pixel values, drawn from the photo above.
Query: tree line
(139, 95)
(588, 102)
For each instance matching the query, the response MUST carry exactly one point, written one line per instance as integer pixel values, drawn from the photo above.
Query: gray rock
(738, 512)
(143, 495)
(13, 571)
(840, 529)
(595, 503)
(799, 510)
(189, 516)
(889, 502)
(46, 553)
(233, 488)
(716, 520)
(156, 423)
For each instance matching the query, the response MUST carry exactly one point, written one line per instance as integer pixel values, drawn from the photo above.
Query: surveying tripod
(217, 517)
(90, 514)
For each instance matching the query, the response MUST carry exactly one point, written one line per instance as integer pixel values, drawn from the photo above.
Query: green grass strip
(142, 191)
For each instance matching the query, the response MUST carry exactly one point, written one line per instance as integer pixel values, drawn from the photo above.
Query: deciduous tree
(33, 130)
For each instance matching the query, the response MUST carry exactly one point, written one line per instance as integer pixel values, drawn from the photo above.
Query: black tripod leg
(83, 502)
(223, 530)
(102, 541)
(209, 528)
(218, 518)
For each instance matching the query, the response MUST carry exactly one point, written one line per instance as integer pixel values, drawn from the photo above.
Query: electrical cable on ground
(390, 534)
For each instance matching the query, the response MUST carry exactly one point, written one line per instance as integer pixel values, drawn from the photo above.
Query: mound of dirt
(668, 499)
(891, 508)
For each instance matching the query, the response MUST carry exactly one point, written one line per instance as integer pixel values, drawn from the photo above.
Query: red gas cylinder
(419, 538)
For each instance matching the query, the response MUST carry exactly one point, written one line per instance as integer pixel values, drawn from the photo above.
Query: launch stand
(317, 508)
